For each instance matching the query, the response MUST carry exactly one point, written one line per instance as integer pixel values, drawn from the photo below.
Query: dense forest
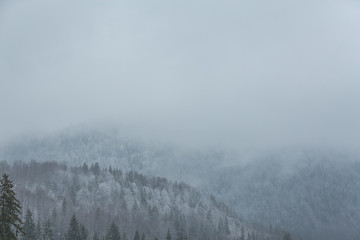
(310, 192)
(99, 203)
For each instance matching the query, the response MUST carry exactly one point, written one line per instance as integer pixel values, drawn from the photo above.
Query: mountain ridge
(285, 188)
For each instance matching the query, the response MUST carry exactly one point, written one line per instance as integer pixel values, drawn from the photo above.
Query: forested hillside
(312, 193)
(315, 197)
(99, 197)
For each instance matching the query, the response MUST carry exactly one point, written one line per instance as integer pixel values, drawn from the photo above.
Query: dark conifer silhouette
(10, 211)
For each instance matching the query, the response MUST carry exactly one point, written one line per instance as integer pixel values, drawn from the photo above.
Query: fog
(231, 73)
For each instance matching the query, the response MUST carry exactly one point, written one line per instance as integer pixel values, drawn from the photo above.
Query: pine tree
(54, 217)
(113, 233)
(143, 236)
(124, 237)
(73, 232)
(180, 227)
(48, 233)
(84, 233)
(55, 222)
(253, 235)
(95, 169)
(63, 207)
(168, 235)
(29, 227)
(96, 236)
(137, 235)
(10, 211)
(85, 168)
(135, 207)
(287, 236)
(73, 194)
(38, 231)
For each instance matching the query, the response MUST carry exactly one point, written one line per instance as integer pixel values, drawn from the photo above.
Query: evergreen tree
(113, 233)
(84, 233)
(96, 236)
(85, 168)
(124, 237)
(73, 232)
(124, 206)
(143, 236)
(168, 235)
(73, 194)
(38, 231)
(10, 211)
(95, 169)
(287, 236)
(135, 207)
(54, 217)
(180, 227)
(253, 235)
(137, 235)
(48, 233)
(29, 227)
(63, 207)
(54, 222)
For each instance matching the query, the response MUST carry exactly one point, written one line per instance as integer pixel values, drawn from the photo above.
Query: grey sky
(223, 72)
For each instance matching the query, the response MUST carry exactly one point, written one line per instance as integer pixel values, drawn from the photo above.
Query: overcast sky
(245, 72)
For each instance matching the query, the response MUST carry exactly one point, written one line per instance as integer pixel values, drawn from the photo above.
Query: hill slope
(314, 194)
(133, 201)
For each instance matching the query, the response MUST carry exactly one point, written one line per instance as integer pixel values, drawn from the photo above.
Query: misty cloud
(250, 73)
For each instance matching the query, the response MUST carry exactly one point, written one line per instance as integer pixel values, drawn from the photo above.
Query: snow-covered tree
(48, 232)
(73, 232)
(10, 211)
(29, 227)
(137, 235)
(113, 233)
(168, 235)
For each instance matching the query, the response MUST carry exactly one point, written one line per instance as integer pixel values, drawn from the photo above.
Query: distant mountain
(312, 193)
(316, 196)
(98, 197)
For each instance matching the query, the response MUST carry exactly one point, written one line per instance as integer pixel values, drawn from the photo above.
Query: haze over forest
(254, 102)
(245, 73)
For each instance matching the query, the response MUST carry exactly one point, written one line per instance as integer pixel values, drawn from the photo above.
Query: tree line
(13, 228)
(112, 212)
(75, 231)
